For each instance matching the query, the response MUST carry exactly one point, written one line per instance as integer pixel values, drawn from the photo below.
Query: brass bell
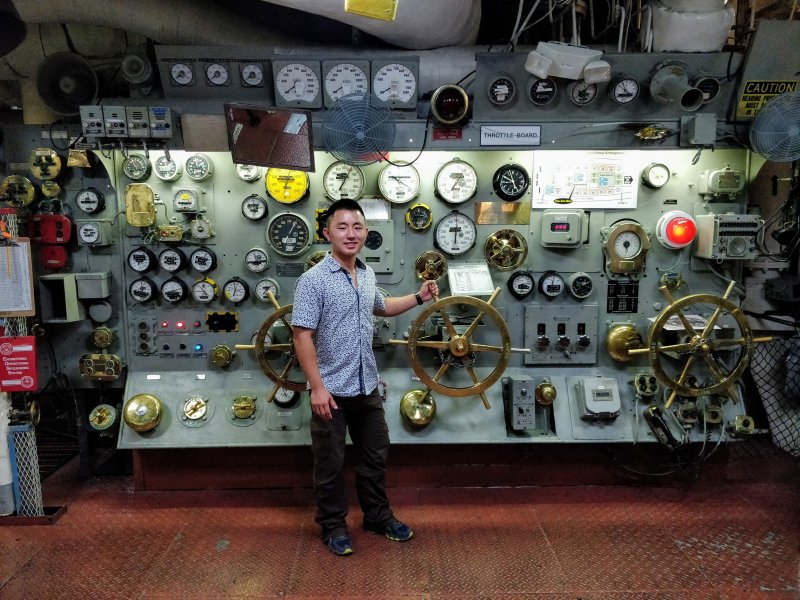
(418, 408)
(143, 412)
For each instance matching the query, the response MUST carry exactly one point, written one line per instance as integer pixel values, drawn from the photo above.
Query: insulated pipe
(6, 487)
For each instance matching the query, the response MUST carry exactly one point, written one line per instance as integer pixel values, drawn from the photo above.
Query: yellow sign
(385, 10)
(756, 94)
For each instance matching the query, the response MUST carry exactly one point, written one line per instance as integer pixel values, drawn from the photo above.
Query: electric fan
(775, 132)
(359, 129)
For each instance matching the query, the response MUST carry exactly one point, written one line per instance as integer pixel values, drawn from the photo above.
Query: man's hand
(322, 403)
(428, 290)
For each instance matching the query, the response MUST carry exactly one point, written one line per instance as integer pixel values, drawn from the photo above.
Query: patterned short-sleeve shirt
(326, 301)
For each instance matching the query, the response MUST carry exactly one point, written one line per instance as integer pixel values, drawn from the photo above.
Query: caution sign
(756, 94)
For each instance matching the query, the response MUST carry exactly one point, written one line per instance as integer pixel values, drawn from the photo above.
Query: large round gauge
(395, 83)
(289, 234)
(625, 244)
(203, 260)
(142, 260)
(419, 217)
(199, 167)
(167, 169)
(90, 201)
(344, 79)
(501, 89)
(136, 167)
(172, 260)
(374, 240)
(217, 74)
(580, 285)
(456, 182)
(286, 185)
(297, 83)
(248, 173)
(254, 207)
(655, 175)
(236, 290)
(399, 183)
(449, 105)
(44, 164)
(265, 286)
(252, 75)
(542, 91)
(343, 181)
(174, 290)
(582, 93)
(256, 260)
(521, 284)
(89, 233)
(181, 74)
(551, 284)
(142, 290)
(455, 233)
(205, 290)
(510, 182)
(624, 90)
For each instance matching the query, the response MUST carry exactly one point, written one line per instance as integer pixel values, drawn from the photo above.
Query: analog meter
(625, 244)
(252, 75)
(343, 181)
(396, 83)
(205, 290)
(256, 260)
(136, 167)
(455, 233)
(172, 260)
(142, 290)
(248, 173)
(510, 182)
(254, 207)
(624, 90)
(582, 93)
(90, 234)
(287, 186)
(203, 260)
(199, 167)
(265, 286)
(90, 201)
(655, 175)
(142, 260)
(501, 89)
(551, 284)
(297, 84)
(342, 79)
(419, 217)
(236, 290)
(174, 290)
(580, 285)
(521, 284)
(217, 74)
(186, 200)
(542, 91)
(399, 183)
(181, 74)
(456, 182)
(168, 169)
(289, 234)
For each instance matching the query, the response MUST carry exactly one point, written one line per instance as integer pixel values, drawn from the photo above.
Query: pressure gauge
(542, 91)
(249, 173)
(44, 164)
(256, 260)
(580, 285)
(174, 290)
(286, 398)
(624, 90)
(205, 290)
(551, 284)
(419, 217)
(345, 78)
(199, 167)
(399, 183)
(343, 181)
(186, 200)
(236, 290)
(265, 286)
(374, 240)
(655, 175)
(582, 93)
(136, 167)
(456, 182)
(501, 90)
(181, 74)
(395, 84)
(89, 233)
(203, 260)
(287, 186)
(710, 87)
(172, 260)
(521, 284)
(289, 234)
(625, 244)
(297, 84)
(142, 260)
(455, 233)
(510, 182)
(167, 169)
(142, 290)
(254, 207)
(217, 74)
(90, 201)
(252, 75)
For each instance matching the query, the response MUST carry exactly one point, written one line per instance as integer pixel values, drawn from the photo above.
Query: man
(334, 302)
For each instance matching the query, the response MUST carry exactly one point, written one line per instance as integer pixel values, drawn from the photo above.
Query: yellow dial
(287, 186)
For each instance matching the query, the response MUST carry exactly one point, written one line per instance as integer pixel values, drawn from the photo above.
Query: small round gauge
(203, 260)
(44, 163)
(167, 169)
(50, 189)
(582, 93)
(627, 244)
(521, 284)
(286, 398)
(710, 87)
(174, 290)
(399, 183)
(551, 284)
(181, 74)
(456, 182)
(172, 260)
(236, 290)
(254, 207)
(252, 75)
(199, 167)
(249, 173)
(205, 290)
(343, 181)
(142, 290)
(344, 79)
(449, 105)
(501, 90)
(286, 185)
(394, 83)
(510, 182)
(297, 83)
(89, 233)
(217, 74)
(419, 217)
(142, 260)
(136, 167)
(655, 175)
(289, 234)
(542, 91)
(580, 285)
(185, 200)
(90, 201)
(256, 260)
(374, 240)
(624, 90)
(455, 233)
(266, 285)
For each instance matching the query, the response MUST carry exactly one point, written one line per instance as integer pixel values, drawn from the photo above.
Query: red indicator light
(180, 324)
(164, 324)
(681, 231)
(198, 324)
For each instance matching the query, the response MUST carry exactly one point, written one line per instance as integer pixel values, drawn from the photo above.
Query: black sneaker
(340, 544)
(393, 529)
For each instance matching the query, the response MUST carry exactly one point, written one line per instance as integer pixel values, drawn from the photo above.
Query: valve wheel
(285, 350)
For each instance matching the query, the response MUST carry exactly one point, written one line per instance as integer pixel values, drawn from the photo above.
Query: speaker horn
(65, 81)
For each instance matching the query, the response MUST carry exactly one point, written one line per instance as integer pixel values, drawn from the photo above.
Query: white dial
(185, 200)
(551, 284)
(167, 169)
(344, 79)
(174, 290)
(343, 181)
(399, 183)
(455, 233)
(90, 201)
(89, 233)
(297, 82)
(181, 74)
(254, 207)
(456, 182)
(656, 175)
(141, 260)
(142, 290)
(217, 74)
(286, 398)
(582, 93)
(266, 285)
(252, 75)
(203, 260)
(136, 167)
(236, 290)
(199, 167)
(628, 244)
(249, 173)
(205, 290)
(256, 260)
(172, 260)
(395, 83)
(625, 90)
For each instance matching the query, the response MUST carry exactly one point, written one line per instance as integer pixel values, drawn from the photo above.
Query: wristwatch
(419, 299)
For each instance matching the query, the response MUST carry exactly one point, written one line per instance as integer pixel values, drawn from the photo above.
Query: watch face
(510, 182)
(399, 183)
(456, 182)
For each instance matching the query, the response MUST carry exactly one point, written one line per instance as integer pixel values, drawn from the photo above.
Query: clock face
(510, 182)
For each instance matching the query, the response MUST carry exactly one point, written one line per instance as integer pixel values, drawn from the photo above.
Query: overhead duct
(691, 25)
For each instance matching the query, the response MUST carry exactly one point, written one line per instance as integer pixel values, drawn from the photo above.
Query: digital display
(559, 227)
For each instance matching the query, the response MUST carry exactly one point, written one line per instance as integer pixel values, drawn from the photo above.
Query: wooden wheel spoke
(292, 361)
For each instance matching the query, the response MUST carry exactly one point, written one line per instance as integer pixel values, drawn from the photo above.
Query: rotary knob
(221, 355)
(545, 393)
(243, 407)
(543, 342)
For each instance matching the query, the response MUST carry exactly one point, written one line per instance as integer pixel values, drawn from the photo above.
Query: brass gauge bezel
(17, 191)
(143, 412)
(625, 265)
(419, 207)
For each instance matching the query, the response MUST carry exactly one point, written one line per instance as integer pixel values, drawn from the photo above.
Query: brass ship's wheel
(701, 346)
(458, 350)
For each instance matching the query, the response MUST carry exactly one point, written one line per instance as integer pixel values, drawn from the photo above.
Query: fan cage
(359, 129)
(775, 132)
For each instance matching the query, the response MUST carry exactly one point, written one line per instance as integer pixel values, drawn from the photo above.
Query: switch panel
(138, 121)
(116, 121)
(519, 403)
(561, 334)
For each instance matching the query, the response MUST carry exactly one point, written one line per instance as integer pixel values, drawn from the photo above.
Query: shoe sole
(387, 536)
